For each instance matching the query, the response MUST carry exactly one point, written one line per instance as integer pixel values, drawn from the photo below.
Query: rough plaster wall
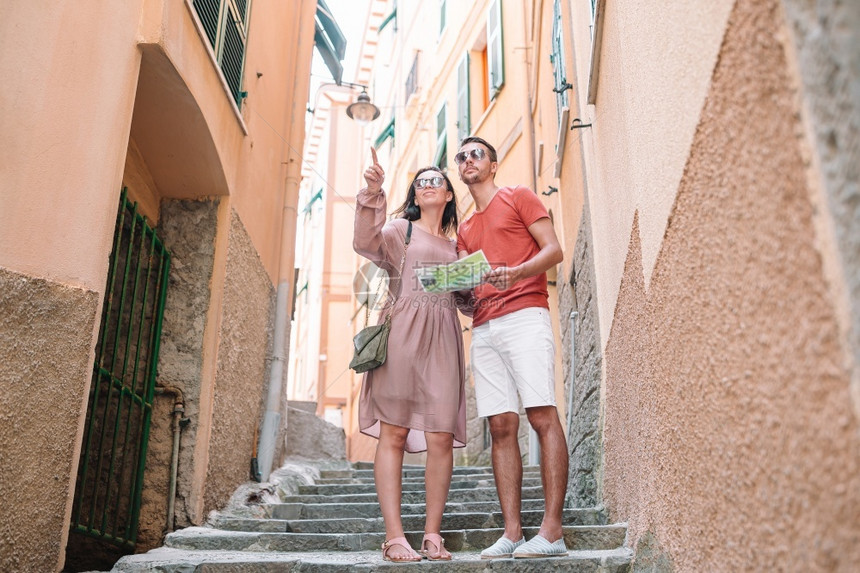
(188, 230)
(827, 42)
(584, 441)
(46, 334)
(730, 440)
(241, 377)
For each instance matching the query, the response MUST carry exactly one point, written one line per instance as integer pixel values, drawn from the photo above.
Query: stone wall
(46, 332)
(584, 439)
(188, 230)
(826, 46)
(241, 379)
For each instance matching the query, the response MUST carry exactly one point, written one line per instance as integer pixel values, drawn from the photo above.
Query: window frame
(495, 50)
(464, 95)
(559, 63)
(441, 138)
(598, 8)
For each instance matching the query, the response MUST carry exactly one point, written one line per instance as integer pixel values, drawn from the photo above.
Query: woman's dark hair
(412, 212)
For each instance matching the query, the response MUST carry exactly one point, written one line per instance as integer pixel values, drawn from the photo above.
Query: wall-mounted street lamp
(361, 110)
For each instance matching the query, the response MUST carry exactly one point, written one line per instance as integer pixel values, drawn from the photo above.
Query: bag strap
(402, 262)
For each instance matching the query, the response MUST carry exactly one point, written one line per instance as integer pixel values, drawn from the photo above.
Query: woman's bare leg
(387, 473)
(437, 479)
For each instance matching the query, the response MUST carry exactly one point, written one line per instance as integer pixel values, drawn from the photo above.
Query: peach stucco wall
(730, 436)
(64, 124)
(654, 73)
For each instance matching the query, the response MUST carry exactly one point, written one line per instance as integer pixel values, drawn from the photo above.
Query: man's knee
(543, 419)
(504, 426)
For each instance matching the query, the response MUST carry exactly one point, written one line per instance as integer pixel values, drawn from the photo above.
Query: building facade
(148, 187)
(699, 165)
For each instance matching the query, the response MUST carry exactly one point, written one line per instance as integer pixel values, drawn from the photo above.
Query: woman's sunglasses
(429, 182)
(477, 154)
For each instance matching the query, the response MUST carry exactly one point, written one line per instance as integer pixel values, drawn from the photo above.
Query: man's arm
(549, 255)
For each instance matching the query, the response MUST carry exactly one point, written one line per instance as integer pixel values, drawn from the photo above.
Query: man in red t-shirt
(513, 349)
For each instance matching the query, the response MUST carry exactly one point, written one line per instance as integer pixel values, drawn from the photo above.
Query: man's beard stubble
(473, 177)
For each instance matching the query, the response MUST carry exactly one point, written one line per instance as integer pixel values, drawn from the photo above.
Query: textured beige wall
(655, 67)
(240, 379)
(730, 438)
(45, 366)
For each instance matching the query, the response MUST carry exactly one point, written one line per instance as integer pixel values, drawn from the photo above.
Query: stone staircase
(334, 524)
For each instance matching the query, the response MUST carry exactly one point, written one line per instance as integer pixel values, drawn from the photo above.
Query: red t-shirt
(502, 231)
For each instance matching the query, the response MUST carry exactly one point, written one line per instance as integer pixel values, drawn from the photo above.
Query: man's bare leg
(554, 464)
(508, 470)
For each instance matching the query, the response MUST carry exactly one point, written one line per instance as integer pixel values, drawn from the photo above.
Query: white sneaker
(537, 546)
(502, 548)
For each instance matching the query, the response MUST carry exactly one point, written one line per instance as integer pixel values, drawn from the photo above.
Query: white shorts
(512, 354)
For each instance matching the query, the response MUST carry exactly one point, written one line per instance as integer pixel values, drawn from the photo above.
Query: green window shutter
(562, 99)
(226, 25)
(441, 158)
(233, 56)
(495, 52)
(209, 12)
(329, 40)
(443, 5)
(390, 18)
(387, 132)
(464, 119)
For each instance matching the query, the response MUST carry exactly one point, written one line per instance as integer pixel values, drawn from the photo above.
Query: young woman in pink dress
(414, 402)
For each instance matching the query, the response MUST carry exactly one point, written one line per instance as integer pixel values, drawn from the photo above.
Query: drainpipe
(178, 423)
(573, 316)
(529, 133)
(304, 33)
(529, 129)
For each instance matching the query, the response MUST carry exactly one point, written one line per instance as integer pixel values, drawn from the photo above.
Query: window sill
(477, 126)
(596, 41)
(198, 25)
(562, 140)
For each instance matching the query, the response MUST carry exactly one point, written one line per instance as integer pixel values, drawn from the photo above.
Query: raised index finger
(373, 153)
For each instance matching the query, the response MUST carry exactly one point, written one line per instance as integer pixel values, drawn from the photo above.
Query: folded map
(463, 274)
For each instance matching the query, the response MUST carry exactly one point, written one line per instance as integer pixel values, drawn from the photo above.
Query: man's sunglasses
(429, 182)
(477, 154)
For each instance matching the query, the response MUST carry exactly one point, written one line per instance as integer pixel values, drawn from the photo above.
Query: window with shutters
(441, 158)
(412, 79)
(226, 25)
(495, 45)
(562, 99)
(464, 126)
(386, 133)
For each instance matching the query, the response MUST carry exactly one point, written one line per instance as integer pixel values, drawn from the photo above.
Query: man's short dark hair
(484, 142)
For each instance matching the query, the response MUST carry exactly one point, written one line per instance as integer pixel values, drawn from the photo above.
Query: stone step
(167, 560)
(577, 537)
(345, 489)
(416, 479)
(362, 470)
(531, 518)
(371, 509)
(457, 495)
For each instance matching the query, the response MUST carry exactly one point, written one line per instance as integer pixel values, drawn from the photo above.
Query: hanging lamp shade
(362, 110)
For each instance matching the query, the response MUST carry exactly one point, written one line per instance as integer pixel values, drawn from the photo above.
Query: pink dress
(421, 386)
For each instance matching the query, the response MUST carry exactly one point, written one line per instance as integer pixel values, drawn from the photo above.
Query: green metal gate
(110, 474)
